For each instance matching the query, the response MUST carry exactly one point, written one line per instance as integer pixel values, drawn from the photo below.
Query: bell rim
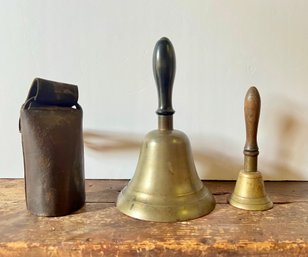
(168, 213)
(261, 204)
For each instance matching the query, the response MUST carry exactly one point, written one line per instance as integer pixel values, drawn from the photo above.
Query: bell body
(249, 192)
(52, 142)
(166, 186)
(53, 159)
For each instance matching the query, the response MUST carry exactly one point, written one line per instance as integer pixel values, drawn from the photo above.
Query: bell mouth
(180, 208)
(250, 204)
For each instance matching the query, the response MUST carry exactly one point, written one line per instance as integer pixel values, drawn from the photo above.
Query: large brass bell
(165, 186)
(249, 192)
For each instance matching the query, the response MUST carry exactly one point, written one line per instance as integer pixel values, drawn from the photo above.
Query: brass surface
(165, 186)
(251, 163)
(249, 192)
(165, 122)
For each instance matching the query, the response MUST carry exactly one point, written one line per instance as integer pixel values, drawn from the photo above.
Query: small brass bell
(165, 186)
(249, 192)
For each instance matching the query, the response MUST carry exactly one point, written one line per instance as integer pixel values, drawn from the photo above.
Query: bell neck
(165, 122)
(251, 163)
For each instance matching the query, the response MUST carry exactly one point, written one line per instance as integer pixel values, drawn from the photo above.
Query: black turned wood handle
(164, 71)
(252, 107)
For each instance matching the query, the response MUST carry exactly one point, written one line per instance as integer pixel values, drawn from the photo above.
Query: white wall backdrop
(222, 48)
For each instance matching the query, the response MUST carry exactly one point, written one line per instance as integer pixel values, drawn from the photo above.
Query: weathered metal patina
(51, 129)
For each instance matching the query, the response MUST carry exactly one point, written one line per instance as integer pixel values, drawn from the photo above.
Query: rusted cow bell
(51, 129)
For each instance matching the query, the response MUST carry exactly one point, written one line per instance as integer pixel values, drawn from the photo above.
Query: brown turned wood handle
(252, 107)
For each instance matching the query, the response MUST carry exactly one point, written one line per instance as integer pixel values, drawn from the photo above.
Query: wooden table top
(99, 229)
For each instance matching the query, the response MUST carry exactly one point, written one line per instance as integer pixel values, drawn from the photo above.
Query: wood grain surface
(99, 229)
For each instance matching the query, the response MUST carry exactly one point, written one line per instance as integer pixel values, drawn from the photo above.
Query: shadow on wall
(109, 141)
(217, 166)
(289, 134)
(292, 141)
(211, 165)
